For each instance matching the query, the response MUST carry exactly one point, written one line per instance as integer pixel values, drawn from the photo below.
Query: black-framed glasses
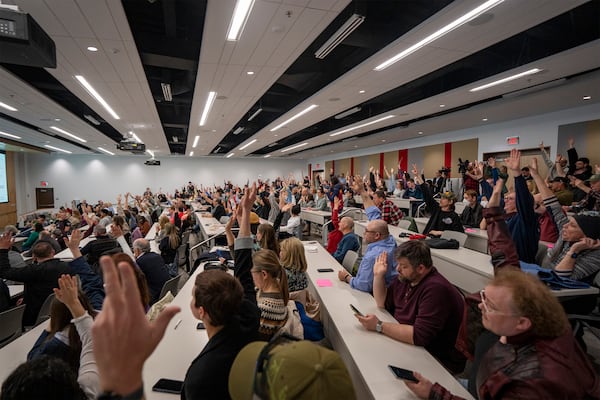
(490, 310)
(261, 386)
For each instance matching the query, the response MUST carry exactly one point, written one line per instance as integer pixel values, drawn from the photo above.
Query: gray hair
(142, 244)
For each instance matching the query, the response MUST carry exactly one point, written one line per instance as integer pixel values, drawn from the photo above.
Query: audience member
(536, 356)
(293, 260)
(349, 240)
(153, 267)
(560, 187)
(96, 248)
(591, 200)
(33, 236)
(473, 212)
(428, 307)
(390, 213)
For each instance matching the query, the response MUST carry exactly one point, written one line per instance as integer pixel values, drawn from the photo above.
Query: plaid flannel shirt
(390, 213)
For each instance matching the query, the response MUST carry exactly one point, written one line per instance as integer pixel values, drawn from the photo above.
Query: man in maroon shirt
(428, 308)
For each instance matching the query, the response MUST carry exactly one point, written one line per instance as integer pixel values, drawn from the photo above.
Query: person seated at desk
(96, 248)
(390, 213)
(143, 225)
(536, 356)
(429, 309)
(443, 217)
(292, 227)
(33, 236)
(591, 199)
(293, 260)
(473, 211)
(152, 265)
(39, 278)
(560, 187)
(576, 254)
(379, 240)
(227, 306)
(349, 240)
(51, 378)
(45, 236)
(413, 192)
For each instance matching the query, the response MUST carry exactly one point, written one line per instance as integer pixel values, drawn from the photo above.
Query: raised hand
(415, 170)
(513, 162)
(533, 166)
(380, 268)
(68, 294)
(571, 142)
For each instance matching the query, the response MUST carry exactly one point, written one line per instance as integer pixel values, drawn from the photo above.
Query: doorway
(44, 198)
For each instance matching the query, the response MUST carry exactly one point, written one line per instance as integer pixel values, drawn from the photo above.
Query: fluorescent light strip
(150, 152)
(248, 144)
(348, 112)
(238, 20)
(338, 37)
(57, 149)
(362, 125)
(301, 113)
(474, 13)
(230, 155)
(255, 114)
(9, 108)
(106, 151)
(196, 141)
(267, 156)
(96, 96)
(191, 153)
(166, 89)
(507, 79)
(135, 137)
(209, 102)
(57, 129)
(9, 135)
(294, 147)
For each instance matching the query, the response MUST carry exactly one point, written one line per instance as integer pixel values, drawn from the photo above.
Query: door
(44, 198)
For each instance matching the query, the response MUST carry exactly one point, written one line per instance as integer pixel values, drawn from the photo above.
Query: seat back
(349, 260)
(10, 324)
(172, 285)
(44, 313)
(460, 237)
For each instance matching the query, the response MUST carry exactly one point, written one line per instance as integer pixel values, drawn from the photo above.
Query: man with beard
(428, 308)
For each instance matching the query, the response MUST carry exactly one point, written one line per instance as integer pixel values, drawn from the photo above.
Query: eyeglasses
(368, 231)
(490, 310)
(262, 364)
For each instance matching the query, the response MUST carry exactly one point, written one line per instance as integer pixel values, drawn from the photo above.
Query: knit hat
(590, 225)
(289, 370)
(254, 219)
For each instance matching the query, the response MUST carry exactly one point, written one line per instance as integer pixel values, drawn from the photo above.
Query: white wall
(98, 177)
(492, 138)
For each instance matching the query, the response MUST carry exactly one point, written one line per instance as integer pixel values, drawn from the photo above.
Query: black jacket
(153, 266)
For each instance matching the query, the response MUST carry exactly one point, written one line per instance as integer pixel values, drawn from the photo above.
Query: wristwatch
(574, 255)
(379, 327)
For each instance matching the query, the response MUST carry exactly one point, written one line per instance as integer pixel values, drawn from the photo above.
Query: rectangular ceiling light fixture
(238, 20)
(57, 149)
(362, 125)
(106, 151)
(348, 112)
(166, 89)
(248, 144)
(191, 153)
(196, 141)
(294, 147)
(255, 114)
(474, 13)
(150, 152)
(338, 37)
(9, 135)
(238, 130)
(230, 155)
(91, 119)
(209, 102)
(57, 129)
(301, 113)
(6, 106)
(96, 96)
(507, 79)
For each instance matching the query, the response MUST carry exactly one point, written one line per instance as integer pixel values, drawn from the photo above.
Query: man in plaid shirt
(390, 213)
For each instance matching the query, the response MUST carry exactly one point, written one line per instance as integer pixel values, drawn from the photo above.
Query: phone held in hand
(356, 311)
(168, 386)
(325, 269)
(403, 374)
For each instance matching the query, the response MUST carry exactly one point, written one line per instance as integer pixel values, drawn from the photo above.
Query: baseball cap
(449, 196)
(283, 369)
(594, 178)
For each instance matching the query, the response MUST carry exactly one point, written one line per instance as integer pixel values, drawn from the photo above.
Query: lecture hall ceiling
(156, 61)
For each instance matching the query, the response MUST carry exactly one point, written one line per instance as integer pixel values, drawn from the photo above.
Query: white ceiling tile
(99, 19)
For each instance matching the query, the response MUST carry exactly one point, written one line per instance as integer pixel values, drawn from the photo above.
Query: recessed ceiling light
(250, 72)
(587, 97)
(57, 129)
(442, 105)
(106, 151)
(92, 48)
(484, 119)
(383, 140)
(361, 91)
(355, 146)
(420, 132)
(57, 119)
(9, 135)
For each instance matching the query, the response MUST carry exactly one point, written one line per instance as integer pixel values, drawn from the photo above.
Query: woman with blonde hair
(267, 238)
(273, 294)
(293, 260)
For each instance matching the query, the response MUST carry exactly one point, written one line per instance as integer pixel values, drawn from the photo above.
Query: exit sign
(512, 140)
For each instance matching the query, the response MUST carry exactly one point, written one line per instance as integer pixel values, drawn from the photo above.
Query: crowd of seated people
(401, 278)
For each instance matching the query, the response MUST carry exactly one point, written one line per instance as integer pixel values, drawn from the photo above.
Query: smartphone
(356, 311)
(200, 325)
(325, 269)
(403, 374)
(168, 386)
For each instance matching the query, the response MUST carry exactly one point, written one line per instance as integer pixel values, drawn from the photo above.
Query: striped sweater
(273, 314)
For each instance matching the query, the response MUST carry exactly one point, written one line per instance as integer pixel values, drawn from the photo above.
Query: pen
(177, 324)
